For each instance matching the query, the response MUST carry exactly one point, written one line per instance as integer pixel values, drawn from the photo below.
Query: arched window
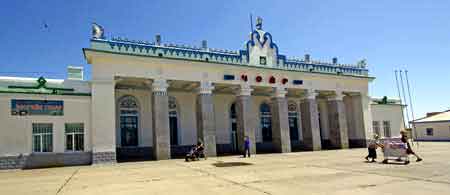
(293, 121)
(266, 122)
(173, 120)
(129, 117)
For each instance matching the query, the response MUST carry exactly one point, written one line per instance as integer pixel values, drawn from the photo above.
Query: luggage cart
(394, 149)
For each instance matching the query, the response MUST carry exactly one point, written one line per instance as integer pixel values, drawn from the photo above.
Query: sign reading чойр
(37, 107)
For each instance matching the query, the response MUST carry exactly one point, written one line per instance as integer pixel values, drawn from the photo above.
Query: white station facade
(154, 100)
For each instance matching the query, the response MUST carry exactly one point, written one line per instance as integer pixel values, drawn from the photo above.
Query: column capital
(160, 85)
(205, 87)
(244, 90)
(279, 92)
(338, 96)
(310, 94)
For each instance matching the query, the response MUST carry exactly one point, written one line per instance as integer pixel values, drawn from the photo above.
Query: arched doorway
(234, 144)
(266, 122)
(173, 120)
(293, 121)
(129, 121)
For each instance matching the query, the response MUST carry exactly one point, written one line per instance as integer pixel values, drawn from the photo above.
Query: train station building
(154, 100)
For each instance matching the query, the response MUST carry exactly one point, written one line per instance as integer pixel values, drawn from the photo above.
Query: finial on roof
(158, 39)
(335, 60)
(204, 45)
(307, 58)
(259, 23)
(362, 63)
(97, 31)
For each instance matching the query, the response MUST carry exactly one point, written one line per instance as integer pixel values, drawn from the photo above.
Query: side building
(434, 127)
(44, 122)
(387, 117)
(154, 100)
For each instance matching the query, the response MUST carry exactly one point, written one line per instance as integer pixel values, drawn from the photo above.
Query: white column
(206, 128)
(103, 105)
(280, 123)
(246, 118)
(363, 118)
(325, 128)
(338, 121)
(358, 119)
(310, 121)
(160, 117)
(299, 120)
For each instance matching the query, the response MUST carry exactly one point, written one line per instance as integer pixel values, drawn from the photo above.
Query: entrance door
(129, 130)
(173, 130)
(234, 141)
(266, 122)
(293, 121)
(293, 128)
(173, 121)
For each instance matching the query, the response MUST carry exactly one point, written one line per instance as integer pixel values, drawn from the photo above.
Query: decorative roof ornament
(362, 63)
(97, 31)
(259, 23)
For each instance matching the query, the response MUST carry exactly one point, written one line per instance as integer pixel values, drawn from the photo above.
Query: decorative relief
(128, 102)
(97, 31)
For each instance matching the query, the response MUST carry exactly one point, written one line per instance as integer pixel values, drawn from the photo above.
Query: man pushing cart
(398, 148)
(394, 149)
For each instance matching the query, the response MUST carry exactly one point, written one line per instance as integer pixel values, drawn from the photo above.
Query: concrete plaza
(322, 172)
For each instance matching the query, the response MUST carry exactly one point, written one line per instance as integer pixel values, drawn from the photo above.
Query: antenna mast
(410, 102)
(400, 97)
(251, 22)
(404, 97)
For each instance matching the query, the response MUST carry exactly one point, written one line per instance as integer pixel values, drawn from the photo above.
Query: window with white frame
(74, 136)
(387, 128)
(430, 132)
(42, 137)
(376, 127)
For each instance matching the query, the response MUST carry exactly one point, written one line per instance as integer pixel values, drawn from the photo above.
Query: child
(372, 148)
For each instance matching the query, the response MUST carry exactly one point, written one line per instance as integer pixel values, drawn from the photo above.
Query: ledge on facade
(174, 51)
(317, 69)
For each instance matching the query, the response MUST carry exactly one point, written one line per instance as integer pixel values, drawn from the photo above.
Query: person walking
(372, 148)
(246, 147)
(408, 147)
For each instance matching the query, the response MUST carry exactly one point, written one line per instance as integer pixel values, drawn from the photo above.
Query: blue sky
(413, 35)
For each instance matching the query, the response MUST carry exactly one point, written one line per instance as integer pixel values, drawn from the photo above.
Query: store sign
(37, 107)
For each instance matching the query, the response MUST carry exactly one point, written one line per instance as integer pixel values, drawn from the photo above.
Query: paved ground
(324, 172)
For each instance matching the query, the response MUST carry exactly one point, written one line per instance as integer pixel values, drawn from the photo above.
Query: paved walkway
(324, 172)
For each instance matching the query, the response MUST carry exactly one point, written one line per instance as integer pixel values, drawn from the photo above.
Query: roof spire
(259, 23)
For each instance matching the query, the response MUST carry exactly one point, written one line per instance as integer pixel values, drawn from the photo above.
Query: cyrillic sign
(37, 107)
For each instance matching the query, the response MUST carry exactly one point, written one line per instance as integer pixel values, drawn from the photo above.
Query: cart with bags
(394, 149)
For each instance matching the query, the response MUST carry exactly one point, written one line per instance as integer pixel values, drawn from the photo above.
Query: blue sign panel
(37, 107)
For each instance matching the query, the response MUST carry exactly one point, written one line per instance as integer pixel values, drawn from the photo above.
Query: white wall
(16, 131)
(441, 131)
(222, 106)
(388, 112)
(187, 118)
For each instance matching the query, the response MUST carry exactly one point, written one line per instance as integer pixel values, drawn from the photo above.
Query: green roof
(41, 88)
